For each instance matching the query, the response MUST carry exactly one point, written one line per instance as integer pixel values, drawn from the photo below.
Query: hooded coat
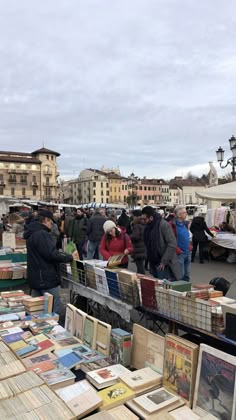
(43, 258)
(137, 238)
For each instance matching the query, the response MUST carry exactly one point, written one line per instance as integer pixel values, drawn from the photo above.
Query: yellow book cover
(115, 395)
(17, 345)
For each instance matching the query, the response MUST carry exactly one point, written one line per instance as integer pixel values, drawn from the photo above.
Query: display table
(11, 284)
(15, 258)
(115, 305)
(225, 240)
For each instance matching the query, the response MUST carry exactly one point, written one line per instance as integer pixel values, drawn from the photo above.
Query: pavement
(203, 273)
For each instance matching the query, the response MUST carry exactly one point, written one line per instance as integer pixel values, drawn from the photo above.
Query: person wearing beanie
(43, 258)
(114, 242)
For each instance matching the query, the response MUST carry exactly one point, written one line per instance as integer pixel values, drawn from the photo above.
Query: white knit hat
(108, 225)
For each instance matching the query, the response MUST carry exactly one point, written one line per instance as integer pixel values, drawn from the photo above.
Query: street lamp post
(231, 161)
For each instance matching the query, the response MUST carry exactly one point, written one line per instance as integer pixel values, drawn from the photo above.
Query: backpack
(221, 284)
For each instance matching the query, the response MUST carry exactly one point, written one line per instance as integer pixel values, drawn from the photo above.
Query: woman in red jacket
(115, 242)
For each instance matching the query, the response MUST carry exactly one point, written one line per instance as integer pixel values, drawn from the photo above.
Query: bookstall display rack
(13, 279)
(83, 288)
(120, 294)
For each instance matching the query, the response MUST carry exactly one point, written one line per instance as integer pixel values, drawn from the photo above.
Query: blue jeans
(184, 261)
(56, 297)
(93, 251)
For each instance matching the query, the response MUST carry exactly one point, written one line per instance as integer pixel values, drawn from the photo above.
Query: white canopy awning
(224, 192)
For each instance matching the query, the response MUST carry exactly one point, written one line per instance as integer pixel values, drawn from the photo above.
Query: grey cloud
(146, 85)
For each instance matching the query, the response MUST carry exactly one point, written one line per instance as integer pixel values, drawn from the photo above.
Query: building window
(101, 184)
(23, 192)
(107, 185)
(94, 184)
(34, 178)
(47, 181)
(102, 200)
(115, 189)
(12, 191)
(145, 188)
(1, 177)
(107, 200)
(140, 188)
(51, 157)
(47, 157)
(145, 197)
(23, 179)
(123, 187)
(107, 192)
(1, 190)
(102, 194)
(94, 192)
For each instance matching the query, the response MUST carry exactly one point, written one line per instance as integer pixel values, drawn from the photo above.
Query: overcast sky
(146, 85)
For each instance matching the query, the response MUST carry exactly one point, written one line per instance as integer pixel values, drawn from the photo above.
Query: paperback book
(115, 395)
(81, 398)
(180, 367)
(156, 400)
(148, 349)
(215, 390)
(58, 378)
(105, 377)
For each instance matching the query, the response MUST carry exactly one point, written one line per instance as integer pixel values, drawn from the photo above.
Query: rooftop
(44, 150)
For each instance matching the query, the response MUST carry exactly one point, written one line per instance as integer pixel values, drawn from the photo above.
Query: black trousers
(140, 265)
(201, 245)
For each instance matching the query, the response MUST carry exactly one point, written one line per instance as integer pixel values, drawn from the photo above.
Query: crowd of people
(164, 246)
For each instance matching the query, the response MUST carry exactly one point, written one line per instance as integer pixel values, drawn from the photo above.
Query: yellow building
(29, 175)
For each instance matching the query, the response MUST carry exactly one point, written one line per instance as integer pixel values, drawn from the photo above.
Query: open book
(113, 261)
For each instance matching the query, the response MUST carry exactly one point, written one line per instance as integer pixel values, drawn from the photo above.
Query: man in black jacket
(43, 258)
(95, 233)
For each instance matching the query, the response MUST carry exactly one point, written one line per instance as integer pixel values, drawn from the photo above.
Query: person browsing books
(43, 270)
(114, 242)
(160, 244)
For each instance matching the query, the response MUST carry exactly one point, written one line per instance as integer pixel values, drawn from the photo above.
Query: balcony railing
(2, 182)
(12, 181)
(47, 173)
(50, 184)
(34, 184)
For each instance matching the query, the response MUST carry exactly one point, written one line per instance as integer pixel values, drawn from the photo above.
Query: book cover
(180, 367)
(33, 360)
(97, 364)
(90, 331)
(115, 395)
(42, 341)
(81, 398)
(25, 351)
(90, 275)
(115, 260)
(155, 400)
(56, 376)
(70, 320)
(120, 346)
(106, 375)
(45, 317)
(11, 338)
(66, 343)
(79, 320)
(148, 292)
(103, 338)
(43, 366)
(58, 333)
(215, 390)
(148, 349)
(101, 281)
(113, 283)
(141, 378)
(70, 360)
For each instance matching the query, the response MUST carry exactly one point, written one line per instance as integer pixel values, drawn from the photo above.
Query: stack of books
(104, 377)
(142, 380)
(39, 305)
